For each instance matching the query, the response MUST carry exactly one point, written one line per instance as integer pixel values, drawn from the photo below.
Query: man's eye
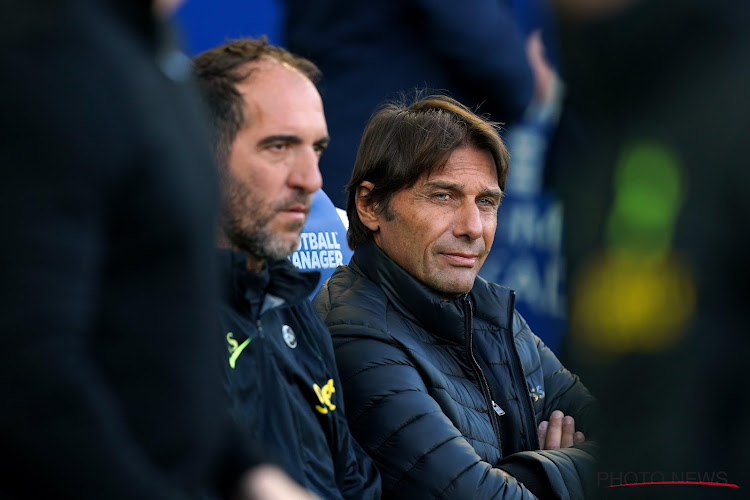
(319, 148)
(441, 196)
(489, 204)
(278, 146)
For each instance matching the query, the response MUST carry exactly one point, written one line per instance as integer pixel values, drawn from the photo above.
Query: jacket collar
(410, 297)
(422, 305)
(279, 279)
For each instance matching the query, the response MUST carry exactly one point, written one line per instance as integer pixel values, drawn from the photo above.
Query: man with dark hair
(279, 366)
(448, 389)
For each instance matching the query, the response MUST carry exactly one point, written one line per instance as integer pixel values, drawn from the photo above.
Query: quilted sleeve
(420, 453)
(564, 390)
(565, 473)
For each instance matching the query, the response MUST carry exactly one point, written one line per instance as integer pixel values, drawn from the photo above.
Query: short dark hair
(220, 69)
(401, 142)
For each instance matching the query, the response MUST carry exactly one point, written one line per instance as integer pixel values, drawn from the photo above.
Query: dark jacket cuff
(533, 477)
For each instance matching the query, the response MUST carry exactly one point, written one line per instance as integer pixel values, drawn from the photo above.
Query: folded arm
(419, 451)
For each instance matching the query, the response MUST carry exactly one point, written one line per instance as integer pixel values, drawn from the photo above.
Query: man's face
(441, 229)
(272, 169)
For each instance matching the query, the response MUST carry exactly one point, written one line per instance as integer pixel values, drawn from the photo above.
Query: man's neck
(253, 263)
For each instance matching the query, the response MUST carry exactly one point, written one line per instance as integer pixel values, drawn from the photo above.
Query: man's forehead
(277, 91)
(455, 176)
(268, 68)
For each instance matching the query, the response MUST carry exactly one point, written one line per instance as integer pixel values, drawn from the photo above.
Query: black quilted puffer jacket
(443, 393)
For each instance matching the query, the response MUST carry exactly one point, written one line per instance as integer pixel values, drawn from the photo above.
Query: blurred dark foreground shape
(108, 292)
(656, 204)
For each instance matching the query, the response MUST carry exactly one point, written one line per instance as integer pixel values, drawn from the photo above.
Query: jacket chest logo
(289, 337)
(324, 396)
(235, 348)
(536, 393)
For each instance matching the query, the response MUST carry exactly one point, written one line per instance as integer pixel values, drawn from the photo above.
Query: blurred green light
(648, 195)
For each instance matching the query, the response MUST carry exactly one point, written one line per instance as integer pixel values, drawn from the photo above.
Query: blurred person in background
(447, 387)
(369, 51)
(498, 56)
(107, 202)
(657, 210)
(279, 367)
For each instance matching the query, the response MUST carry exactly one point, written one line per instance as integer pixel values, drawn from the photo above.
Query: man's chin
(267, 245)
(283, 247)
(454, 286)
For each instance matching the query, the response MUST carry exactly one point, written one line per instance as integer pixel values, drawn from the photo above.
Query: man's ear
(366, 206)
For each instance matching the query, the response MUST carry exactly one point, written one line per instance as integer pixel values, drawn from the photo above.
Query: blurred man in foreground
(108, 291)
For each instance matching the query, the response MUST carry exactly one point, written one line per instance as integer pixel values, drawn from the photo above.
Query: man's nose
(305, 174)
(468, 221)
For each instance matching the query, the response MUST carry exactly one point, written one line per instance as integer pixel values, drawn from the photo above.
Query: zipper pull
(497, 409)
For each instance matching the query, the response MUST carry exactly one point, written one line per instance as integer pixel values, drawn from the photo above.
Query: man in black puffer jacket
(446, 386)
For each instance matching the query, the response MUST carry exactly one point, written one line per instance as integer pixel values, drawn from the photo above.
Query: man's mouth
(298, 207)
(297, 210)
(461, 259)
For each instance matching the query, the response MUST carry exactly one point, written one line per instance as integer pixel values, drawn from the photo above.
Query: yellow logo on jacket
(324, 395)
(235, 348)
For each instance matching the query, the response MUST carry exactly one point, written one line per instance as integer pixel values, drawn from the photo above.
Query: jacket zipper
(495, 409)
(517, 374)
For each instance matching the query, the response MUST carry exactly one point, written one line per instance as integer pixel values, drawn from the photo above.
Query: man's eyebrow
(492, 193)
(451, 186)
(458, 186)
(286, 139)
(290, 139)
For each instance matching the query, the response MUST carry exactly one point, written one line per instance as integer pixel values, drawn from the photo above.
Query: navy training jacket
(281, 377)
